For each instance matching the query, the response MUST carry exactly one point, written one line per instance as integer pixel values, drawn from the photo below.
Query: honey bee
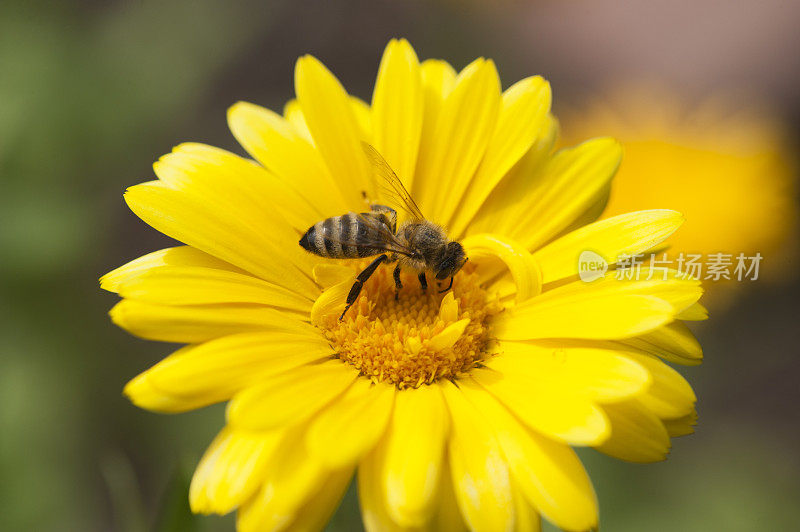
(418, 245)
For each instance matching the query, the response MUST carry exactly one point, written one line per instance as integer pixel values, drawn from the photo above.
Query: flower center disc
(420, 337)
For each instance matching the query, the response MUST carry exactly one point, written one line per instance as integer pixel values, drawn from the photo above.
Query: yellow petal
(293, 114)
(177, 256)
(449, 335)
(492, 273)
(611, 316)
(320, 506)
(696, 312)
(248, 239)
(291, 397)
(603, 375)
(637, 435)
(413, 453)
(606, 308)
(679, 292)
(214, 371)
(413, 345)
(570, 418)
(145, 395)
(332, 301)
(191, 285)
(225, 180)
(526, 517)
(371, 495)
(351, 425)
(438, 79)
(549, 473)
(448, 308)
(574, 179)
(397, 109)
(198, 323)
(623, 235)
(523, 267)
(463, 129)
(291, 480)
(331, 121)
(669, 395)
(448, 515)
(500, 212)
(480, 474)
(558, 193)
(363, 114)
(522, 118)
(673, 342)
(682, 426)
(374, 510)
(231, 469)
(591, 212)
(327, 275)
(273, 142)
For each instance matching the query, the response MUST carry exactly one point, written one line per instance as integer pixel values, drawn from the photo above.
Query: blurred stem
(128, 510)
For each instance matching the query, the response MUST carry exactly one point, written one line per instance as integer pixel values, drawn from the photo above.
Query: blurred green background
(91, 93)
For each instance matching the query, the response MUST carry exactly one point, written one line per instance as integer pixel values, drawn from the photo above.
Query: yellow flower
(456, 410)
(722, 164)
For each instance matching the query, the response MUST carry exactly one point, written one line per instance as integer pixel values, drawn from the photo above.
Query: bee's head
(453, 259)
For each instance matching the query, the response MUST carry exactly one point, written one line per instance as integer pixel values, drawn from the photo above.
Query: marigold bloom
(723, 164)
(457, 410)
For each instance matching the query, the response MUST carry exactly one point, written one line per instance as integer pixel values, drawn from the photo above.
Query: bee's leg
(423, 282)
(448, 286)
(397, 284)
(360, 280)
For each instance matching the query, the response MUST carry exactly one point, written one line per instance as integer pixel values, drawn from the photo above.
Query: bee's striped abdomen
(339, 237)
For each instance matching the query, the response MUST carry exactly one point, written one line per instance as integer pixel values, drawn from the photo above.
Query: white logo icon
(591, 266)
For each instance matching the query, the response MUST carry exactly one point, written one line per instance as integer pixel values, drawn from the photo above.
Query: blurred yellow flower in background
(725, 165)
(457, 410)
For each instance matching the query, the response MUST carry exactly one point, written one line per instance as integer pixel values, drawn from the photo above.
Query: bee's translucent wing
(390, 183)
(379, 236)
